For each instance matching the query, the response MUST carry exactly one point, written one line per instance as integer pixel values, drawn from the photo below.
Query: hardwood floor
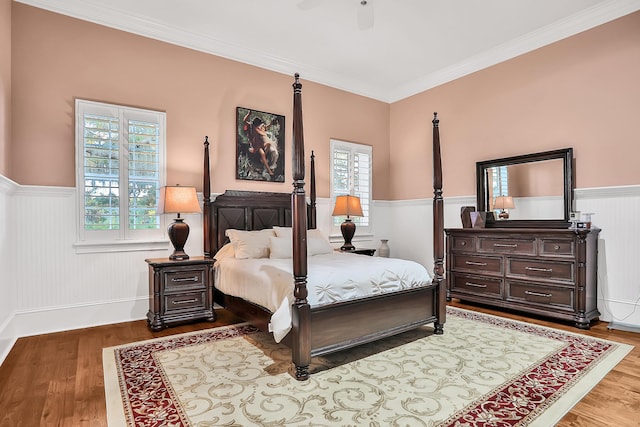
(56, 379)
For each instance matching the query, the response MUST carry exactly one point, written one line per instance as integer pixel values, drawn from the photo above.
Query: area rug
(484, 371)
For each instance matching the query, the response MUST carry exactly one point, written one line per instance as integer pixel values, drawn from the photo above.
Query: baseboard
(8, 337)
(624, 327)
(55, 319)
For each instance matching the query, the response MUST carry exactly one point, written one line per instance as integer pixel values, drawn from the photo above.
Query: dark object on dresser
(549, 272)
(465, 215)
(179, 291)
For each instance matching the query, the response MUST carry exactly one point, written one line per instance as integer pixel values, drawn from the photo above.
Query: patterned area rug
(484, 371)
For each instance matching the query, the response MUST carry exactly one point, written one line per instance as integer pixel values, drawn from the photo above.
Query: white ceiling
(413, 45)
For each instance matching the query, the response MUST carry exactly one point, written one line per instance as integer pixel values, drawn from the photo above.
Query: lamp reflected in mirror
(349, 206)
(503, 203)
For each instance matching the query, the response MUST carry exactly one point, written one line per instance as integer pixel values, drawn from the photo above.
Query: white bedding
(332, 277)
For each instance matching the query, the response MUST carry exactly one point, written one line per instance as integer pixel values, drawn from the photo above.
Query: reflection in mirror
(536, 189)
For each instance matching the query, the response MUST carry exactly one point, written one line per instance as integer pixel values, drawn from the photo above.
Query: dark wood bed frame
(321, 330)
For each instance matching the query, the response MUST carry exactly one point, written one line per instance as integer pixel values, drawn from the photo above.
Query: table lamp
(177, 199)
(502, 203)
(349, 206)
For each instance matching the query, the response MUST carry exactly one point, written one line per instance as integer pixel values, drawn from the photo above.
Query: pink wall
(5, 83)
(57, 58)
(582, 92)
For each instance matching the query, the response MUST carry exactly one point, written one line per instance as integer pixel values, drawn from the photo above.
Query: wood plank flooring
(56, 379)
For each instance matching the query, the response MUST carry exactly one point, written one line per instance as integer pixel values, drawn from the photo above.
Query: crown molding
(589, 18)
(102, 14)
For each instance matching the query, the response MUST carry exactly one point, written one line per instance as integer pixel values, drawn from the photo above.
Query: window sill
(121, 246)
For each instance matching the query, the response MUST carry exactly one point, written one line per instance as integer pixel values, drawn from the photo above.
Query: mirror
(538, 189)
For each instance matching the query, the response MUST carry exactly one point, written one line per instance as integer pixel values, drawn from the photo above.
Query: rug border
(116, 413)
(558, 409)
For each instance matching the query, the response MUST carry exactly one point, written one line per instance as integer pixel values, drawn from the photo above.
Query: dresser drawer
(507, 245)
(181, 280)
(560, 247)
(188, 301)
(463, 243)
(481, 264)
(540, 295)
(541, 269)
(487, 286)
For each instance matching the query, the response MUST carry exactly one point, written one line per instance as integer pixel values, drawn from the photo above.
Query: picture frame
(260, 154)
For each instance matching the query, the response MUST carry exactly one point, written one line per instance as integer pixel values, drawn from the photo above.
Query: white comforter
(330, 278)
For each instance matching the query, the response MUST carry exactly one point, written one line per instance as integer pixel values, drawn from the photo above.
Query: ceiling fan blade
(365, 14)
(308, 4)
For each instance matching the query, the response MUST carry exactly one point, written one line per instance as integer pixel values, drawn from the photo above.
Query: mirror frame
(565, 154)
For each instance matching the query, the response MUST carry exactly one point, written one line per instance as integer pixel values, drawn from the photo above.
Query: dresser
(180, 291)
(547, 272)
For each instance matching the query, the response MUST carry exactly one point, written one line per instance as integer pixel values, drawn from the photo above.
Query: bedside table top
(190, 261)
(359, 251)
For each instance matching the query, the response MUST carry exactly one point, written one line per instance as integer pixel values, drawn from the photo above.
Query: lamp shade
(347, 205)
(177, 199)
(503, 202)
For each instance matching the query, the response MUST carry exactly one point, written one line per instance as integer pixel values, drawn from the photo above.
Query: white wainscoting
(48, 287)
(7, 283)
(616, 210)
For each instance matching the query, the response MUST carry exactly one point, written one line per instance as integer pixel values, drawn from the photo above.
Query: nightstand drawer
(559, 297)
(557, 247)
(484, 264)
(509, 246)
(554, 270)
(181, 280)
(187, 301)
(487, 286)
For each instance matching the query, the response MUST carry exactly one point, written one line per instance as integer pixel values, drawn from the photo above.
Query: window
(351, 166)
(499, 179)
(120, 169)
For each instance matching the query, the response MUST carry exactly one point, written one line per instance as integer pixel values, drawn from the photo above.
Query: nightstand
(180, 291)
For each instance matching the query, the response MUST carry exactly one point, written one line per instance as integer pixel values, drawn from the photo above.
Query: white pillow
(225, 252)
(318, 245)
(282, 231)
(250, 244)
(280, 247)
(286, 232)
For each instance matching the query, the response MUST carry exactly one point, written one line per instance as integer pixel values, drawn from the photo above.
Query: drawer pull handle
(186, 301)
(538, 294)
(504, 245)
(481, 264)
(463, 243)
(475, 285)
(556, 247)
(186, 279)
(545, 270)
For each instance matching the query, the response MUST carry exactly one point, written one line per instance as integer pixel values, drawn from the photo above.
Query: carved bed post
(438, 230)
(301, 311)
(312, 193)
(206, 201)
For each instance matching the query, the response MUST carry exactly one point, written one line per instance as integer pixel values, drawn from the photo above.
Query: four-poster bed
(319, 329)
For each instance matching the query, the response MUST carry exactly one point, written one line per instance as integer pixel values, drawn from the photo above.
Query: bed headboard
(248, 210)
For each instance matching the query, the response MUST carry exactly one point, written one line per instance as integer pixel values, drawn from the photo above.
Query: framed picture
(259, 145)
